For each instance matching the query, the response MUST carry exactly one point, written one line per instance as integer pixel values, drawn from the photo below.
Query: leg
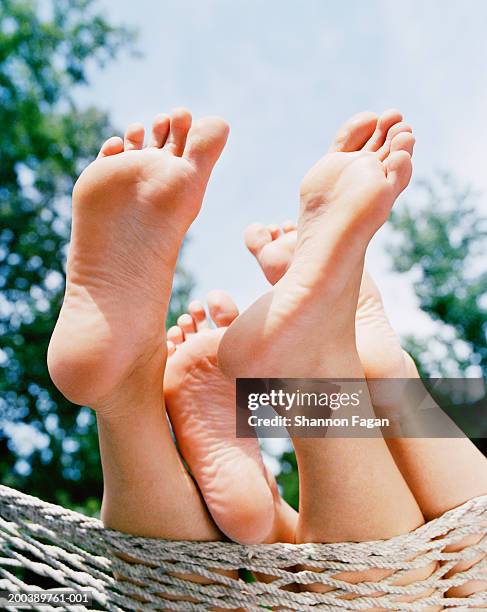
(201, 406)
(131, 210)
(442, 473)
(140, 462)
(344, 201)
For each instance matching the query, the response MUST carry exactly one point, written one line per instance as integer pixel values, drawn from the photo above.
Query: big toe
(222, 308)
(277, 257)
(354, 133)
(273, 255)
(205, 142)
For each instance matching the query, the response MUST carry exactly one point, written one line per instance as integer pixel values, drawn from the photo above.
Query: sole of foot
(240, 494)
(345, 198)
(379, 349)
(305, 327)
(378, 345)
(131, 210)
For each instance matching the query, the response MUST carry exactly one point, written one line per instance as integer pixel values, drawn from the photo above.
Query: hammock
(64, 549)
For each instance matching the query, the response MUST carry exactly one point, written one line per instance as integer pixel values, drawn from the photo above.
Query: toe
(354, 133)
(175, 335)
(160, 131)
(396, 129)
(223, 309)
(134, 137)
(205, 143)
(171, 348)
(186, 324)
(289, 226)
(277, 257)
(112, 146)
(179, 126)
(256, 237)
(404, 141)
(384, 124)
(197, 311)
(398, 170)
(275, 231)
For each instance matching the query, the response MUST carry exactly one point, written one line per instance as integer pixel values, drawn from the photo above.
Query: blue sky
(285, 75)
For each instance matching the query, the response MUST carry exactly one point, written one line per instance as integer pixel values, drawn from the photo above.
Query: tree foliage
(441, 240)
(288, 478)
(47, 446)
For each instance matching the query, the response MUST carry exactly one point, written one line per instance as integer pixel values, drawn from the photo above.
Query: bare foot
(382, 357)
(345, 198)
(131, 210)
(378, 345)
(350, 489)
(239, 493)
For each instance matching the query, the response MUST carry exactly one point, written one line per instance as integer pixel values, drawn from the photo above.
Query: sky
(285, 75)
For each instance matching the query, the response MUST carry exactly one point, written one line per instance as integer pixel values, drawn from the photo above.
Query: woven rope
(77, 552)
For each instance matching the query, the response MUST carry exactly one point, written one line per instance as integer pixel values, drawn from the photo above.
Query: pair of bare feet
(132, 208)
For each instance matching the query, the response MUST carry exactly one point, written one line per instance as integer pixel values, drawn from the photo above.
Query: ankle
(97, 381)
(143, 384)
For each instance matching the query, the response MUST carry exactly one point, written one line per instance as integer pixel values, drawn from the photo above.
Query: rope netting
(44, 544)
